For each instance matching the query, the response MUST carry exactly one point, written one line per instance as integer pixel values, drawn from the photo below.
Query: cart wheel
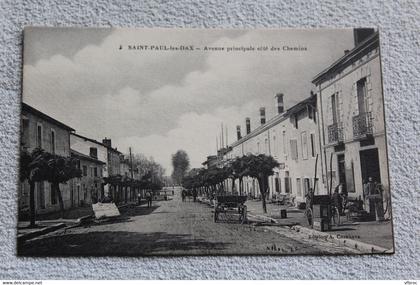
(310, 217)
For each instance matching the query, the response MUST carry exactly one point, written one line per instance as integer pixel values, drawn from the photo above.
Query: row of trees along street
(39, 166)
(211, 180)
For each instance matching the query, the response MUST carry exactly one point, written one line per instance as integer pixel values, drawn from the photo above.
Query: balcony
(335, 133)
(362, 125)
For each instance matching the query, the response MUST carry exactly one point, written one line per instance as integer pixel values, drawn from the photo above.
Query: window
(39, 135)
(24, 132)
(284, 143)
(287, 184)
(266, 146)
(95, 172)
(293, 149)
(276, 153)
(295, 121)
(53, 195)
(311, 113)
(361, 95)
(277, 184)
(306, 185)
(93, 152)
(52, 141)
(334, 111)
(304, 145)
(84, 170)
(298, 187)
(313, 150)
(258, 147)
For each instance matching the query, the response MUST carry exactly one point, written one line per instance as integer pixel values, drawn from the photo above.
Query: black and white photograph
(169, 142)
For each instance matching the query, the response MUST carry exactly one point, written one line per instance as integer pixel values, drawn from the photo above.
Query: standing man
(369, 189)
(194, 193)
(149, 199)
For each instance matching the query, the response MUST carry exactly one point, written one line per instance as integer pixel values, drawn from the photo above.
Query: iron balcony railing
(335, 133)
(362, 125)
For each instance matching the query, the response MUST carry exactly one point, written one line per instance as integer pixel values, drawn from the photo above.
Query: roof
(344, 61)
(301, 105)
(95, 141)
(30, 109)
(85, 157)
(277, 119)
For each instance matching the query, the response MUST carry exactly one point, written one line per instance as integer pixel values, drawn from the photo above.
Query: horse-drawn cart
(230, 206)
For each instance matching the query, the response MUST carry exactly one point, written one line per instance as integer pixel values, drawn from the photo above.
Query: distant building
(88, 188)
(113, 158)
(292, 139)
(350, 102)
(40, 130)
(102, 151)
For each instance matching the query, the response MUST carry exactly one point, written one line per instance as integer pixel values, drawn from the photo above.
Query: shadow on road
(116, 244)
(133, 211)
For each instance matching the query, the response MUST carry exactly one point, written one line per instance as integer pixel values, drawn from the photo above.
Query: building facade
(95, 150)
(87, 189)
(38, 130)
(350, 101)
(292, 139)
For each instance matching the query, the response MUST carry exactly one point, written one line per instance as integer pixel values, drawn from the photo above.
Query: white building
(292, 139)
(94, 149)
(350, 103)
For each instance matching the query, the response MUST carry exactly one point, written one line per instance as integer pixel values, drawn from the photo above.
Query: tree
(60, 170)
(33, 168)
(180, 163)
(39, 166)
(260, 167)
(147, 166)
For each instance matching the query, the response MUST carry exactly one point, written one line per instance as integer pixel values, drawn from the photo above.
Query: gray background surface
(399, 23)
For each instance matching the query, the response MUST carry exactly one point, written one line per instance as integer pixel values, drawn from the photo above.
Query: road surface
(173, 228)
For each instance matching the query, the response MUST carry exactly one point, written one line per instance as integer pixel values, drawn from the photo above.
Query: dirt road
(173, 228)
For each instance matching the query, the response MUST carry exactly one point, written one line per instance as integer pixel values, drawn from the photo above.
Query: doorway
(369, 162)
(342, 171)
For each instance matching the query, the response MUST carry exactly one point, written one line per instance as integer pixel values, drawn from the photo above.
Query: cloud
(195, 133)
(158, 102)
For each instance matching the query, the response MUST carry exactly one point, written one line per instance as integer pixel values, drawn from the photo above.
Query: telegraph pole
(131, 163)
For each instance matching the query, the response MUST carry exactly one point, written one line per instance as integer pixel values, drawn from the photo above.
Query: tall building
(38, 130)
(350, 104)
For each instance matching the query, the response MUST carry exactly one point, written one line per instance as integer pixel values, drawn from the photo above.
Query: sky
(158, 101)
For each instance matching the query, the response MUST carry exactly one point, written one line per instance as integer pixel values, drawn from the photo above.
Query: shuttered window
(294, 149)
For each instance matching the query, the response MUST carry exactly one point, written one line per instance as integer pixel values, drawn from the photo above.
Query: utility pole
(227, 142)
(223, 142)
(131, 163)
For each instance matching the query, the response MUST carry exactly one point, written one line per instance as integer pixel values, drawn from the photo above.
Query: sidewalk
(375, 233)
(50, 222)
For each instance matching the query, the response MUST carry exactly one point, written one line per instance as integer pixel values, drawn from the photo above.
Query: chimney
(279, 103)
(262, 115)
(107, 142)
(238, 132)
(361, 34)
(346, 51)
(248, 125)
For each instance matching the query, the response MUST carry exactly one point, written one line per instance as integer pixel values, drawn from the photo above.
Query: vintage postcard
(203, 142)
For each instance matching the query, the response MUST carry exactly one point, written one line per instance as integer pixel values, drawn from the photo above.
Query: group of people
(372, 201)
(149, 199)
(185, 193)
